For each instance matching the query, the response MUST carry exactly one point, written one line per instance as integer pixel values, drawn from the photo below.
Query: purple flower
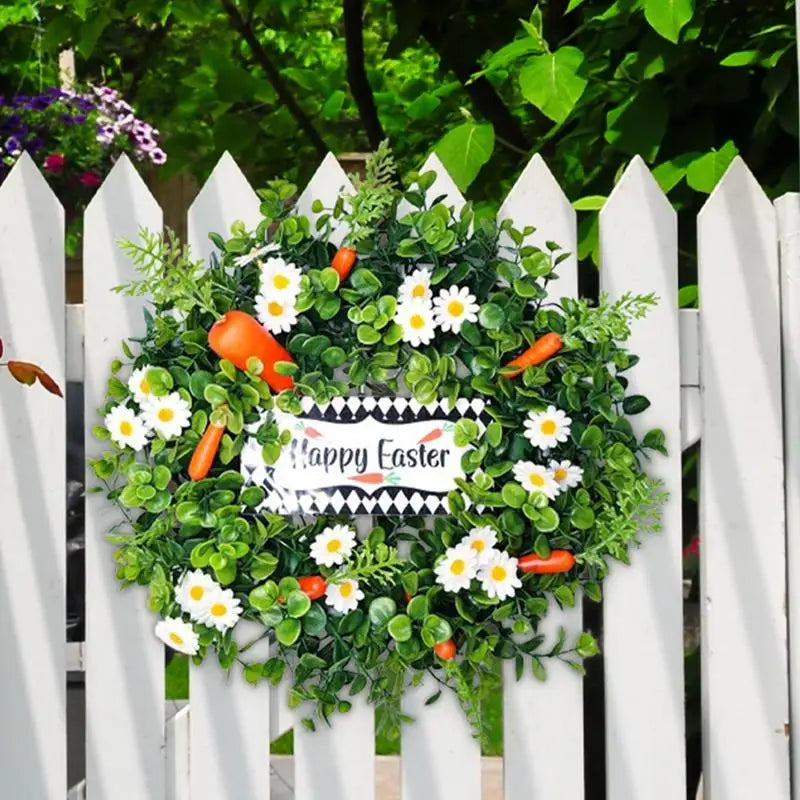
(13, 146)
(158, 156)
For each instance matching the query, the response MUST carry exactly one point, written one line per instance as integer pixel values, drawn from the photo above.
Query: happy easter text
(388, 455)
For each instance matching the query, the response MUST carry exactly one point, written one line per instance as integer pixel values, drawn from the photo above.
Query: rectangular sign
(364, 455)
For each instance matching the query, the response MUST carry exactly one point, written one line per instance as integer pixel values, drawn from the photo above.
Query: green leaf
(399, 628)
(546, 520)
(592, 437)
(635, 404)
(333, 357)
(423, 106)
(418, 606)
(514, 495)
(332, 106)
(365, 282)
(315, 621)
(592, 202)
(297, 604)
(586, 645)
(742, 58)
(288, 631)
(687, 296)
(367, 334)
(435, 630)
(668, 17)
(704, 173)
(491, 316)
(161, 477)
(553, 82)
(464, 150)
(263, 597)
(381, 610)
(582, 518)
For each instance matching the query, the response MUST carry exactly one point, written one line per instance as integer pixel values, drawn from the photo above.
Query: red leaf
(48, 383)
(1, 348)
(23, 371)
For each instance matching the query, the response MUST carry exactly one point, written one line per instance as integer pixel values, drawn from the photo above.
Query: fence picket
(742, 510)
(543, 722)
(33, 756)
(643, 608)
(338, 761)
(440, 759)
(228, 718)
(788, 210)
(125, 664)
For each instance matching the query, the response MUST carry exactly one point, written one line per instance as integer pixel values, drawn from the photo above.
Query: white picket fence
(722, 372)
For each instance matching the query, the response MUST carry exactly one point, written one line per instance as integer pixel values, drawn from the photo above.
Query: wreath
(422, 303)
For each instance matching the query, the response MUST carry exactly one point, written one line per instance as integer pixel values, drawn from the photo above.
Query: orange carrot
(239, 337)
(368, 477)
(206, 451)
(313, 585)
(343, 261)
(432, 436)
(557, 561)
(542, 349)
(445, 650)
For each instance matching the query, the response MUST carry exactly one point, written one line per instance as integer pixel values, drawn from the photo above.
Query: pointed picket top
(327, 183)
(637, 181)
(537, 199)
(122, 185)
(735, 193)
(223, 199)
(443, 185)
(26, 174)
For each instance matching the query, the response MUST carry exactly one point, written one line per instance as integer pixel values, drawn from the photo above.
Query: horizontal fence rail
(717, 374)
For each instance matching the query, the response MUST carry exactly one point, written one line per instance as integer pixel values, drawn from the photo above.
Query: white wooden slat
(229, 718)
(178, 756)
(440, 758)
(337, 761)
(124, 661)
(543, 721)
(32, 488)
(745, 703)
(689, 327)
(643, 607)
(788, 210)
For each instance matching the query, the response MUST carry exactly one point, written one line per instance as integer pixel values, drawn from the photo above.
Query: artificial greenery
(346, 341)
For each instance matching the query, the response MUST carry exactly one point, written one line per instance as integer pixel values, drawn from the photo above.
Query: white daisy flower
(536, 478)
(140, 386)
(343, 596)
(178, 635)
(566, 474)
(255, 254)
(280, 280)
(545, 429)
(221, 610)
(276, 314)
(453, 307)
(168, 415)
(498, 576)
(193, 591)
(416, 320)
(416, 286)
(127, 429)
(333, 546)
(482, 540)
(457, 568)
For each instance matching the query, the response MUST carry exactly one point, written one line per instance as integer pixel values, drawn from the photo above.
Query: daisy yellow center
(334, 546)
(548, 427)
(536, 479)
(218, 610)
(417, 321)
(276, 309)
(197, 592)
(166, 414)
(418, 290)
(175, 639)
(458, 566)
(499, 573)
(280, 281)
(346, 589)
(126, 428)
(455, 308)
(560, 474)
(144, 386)
(479, 545)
